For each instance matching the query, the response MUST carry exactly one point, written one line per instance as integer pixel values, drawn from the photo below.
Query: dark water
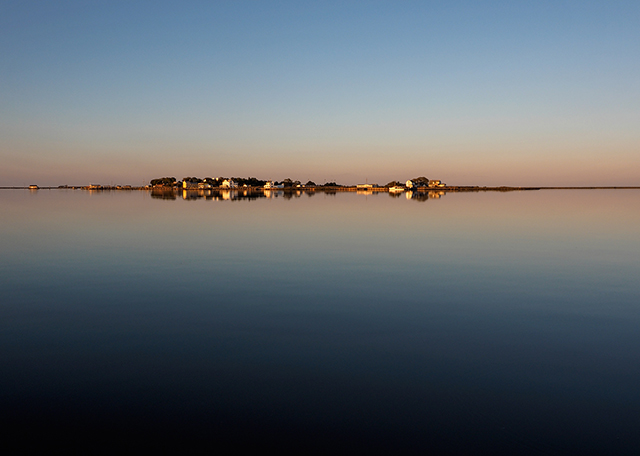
(466, 324)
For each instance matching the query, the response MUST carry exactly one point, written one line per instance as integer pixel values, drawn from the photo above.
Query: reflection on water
(483, 323)
(424, 196)
(252, 194)
(209, 195)
(164, 193)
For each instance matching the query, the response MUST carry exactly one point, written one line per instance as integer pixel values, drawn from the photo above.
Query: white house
(409, 184)
(229, 183)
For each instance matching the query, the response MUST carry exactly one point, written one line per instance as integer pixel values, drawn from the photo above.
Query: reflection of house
(229, 183)
(189, 195)
(269, 193)
(424, 196)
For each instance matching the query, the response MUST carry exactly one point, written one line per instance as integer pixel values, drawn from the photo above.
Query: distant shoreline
(452, 188)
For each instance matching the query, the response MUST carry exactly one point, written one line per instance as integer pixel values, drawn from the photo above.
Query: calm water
(470, 323)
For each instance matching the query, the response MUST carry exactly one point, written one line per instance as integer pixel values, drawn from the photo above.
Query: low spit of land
(320, 188)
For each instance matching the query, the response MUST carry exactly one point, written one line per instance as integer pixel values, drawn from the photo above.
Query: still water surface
(470, 323)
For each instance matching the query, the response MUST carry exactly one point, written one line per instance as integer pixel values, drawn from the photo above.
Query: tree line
(254, 182)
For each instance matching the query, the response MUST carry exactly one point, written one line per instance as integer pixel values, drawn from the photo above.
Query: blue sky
(486, 93)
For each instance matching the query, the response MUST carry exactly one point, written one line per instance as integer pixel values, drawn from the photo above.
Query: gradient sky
(473, 93)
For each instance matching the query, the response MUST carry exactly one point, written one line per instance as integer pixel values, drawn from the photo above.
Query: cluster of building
(409, 185)
(433, 183)
(197, 184)
(226, 183)
(189, 185)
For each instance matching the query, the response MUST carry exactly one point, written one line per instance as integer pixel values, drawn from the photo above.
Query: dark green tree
(163, 181)
(420, 181)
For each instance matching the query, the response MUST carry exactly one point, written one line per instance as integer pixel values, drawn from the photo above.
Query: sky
(472, 93)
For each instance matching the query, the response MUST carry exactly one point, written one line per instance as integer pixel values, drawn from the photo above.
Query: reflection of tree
(420, 196)
(248, 196)
(394, 194)
(163, 193)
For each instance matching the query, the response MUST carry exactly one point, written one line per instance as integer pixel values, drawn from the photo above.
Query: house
(409, 184)
(204, 185)
(436, 183)
(188, 185)
(33, 187)
(229, 183)
(364, 186)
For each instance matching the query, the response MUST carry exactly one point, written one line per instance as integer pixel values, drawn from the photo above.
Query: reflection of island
(368, 192)
(163, 193)
(424, 196)
(273, 193)
(250, 193)
(221, 195)
(168, 193)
